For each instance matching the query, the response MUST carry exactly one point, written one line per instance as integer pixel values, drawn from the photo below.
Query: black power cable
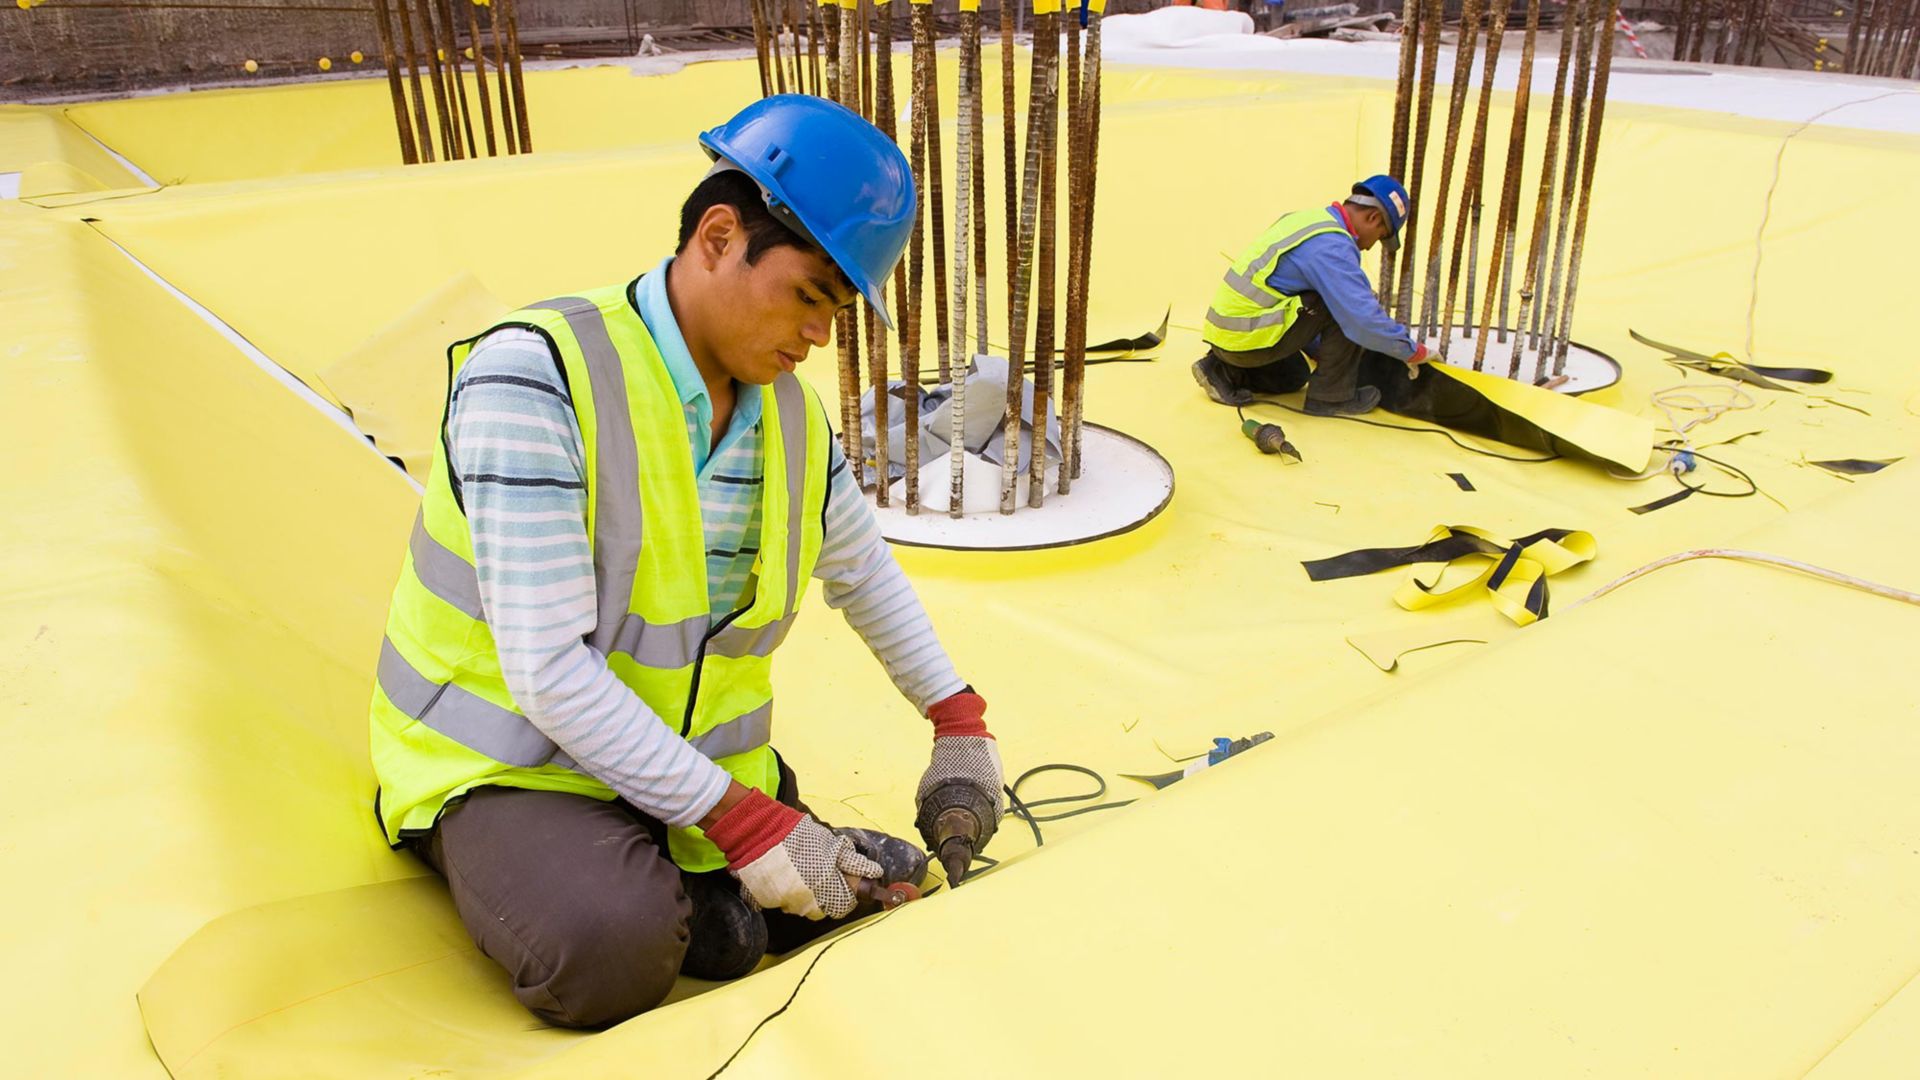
(1444, 433)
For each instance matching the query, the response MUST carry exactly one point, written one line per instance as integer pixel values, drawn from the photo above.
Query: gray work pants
(1281, 368)
(577, 899)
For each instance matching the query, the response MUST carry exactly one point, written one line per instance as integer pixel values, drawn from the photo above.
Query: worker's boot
(900, 860)
(725, 937)
(1364, 400)
(1219, 381)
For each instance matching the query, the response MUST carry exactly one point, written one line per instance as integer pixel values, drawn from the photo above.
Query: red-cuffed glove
(787, 860)
(963, 749)
(1421, 354)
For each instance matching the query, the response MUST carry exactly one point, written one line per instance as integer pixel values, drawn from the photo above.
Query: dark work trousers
(1281, 368)
(577, 899)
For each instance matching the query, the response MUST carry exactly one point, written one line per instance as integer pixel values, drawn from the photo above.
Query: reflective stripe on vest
(1244, 287)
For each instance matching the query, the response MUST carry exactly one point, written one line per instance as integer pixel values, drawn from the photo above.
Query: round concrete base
(1124, 483)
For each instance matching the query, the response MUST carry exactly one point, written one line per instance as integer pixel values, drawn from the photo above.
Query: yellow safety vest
(443, 721)
(1249, 314)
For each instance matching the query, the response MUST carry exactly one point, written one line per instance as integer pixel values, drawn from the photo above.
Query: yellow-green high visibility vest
(443, 721)
(1247, 313)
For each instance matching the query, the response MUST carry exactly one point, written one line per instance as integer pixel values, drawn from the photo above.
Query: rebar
(916, 278)
(1090, 104)
(439, 90)
(1423, 115)
(847, 330)
(508, 127)
(1456, 109)
(818, 85)
(1476, 163)
(480, 75)
(409, 154)
(1500, 267)
(863, 53)
(1043, 67)
(1008, 135)
(1592, 157)
(937, 207)
(1570, 177)
(1076, 326)
(760, 49)
(456, 81)
(967, 188)
(1402, 113)
(1543, 201)
(1047, 114)
(515, 76)
(876, 334)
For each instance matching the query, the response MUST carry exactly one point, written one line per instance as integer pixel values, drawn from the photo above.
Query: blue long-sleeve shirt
(1330, 265)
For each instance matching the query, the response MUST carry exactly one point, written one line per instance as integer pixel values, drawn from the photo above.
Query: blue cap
(1385, 194)
(829, 176)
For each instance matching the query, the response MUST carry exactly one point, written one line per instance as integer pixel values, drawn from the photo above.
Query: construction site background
(59, 48)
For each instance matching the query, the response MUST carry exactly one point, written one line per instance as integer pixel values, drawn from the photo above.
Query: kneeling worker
(573, 714)
(1300, 291)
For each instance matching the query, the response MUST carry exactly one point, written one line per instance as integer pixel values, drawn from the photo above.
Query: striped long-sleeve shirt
(516, 446)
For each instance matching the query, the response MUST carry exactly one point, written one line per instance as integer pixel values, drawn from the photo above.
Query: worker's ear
(717, 234)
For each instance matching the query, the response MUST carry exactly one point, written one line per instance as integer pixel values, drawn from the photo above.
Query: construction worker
(1299, 291)
(572, 720)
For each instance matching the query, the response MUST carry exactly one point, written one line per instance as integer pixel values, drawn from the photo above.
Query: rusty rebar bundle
(438, 37)
(1423, 115)
(762, 50)
(409, 154)
(1046, 64)
(846, 328)
(1476, 163)
(910, 319)
(1590, 159)
(1500, 266)
(1456, 109)
(1410, 24)
(1576, 118)
(480, 74)
(1543, 201)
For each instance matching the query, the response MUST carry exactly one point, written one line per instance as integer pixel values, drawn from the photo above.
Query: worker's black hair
(1356, 206)
(737, 189)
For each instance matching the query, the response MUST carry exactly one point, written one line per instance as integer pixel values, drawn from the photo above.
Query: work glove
(1420, 356)
(787, 860)
(963, 749)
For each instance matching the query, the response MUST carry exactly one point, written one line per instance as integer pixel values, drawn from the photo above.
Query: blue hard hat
(829, 176)
(1385, 194)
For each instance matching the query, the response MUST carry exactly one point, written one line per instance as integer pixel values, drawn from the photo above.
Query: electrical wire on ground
(1741, 555)
(1444, 433)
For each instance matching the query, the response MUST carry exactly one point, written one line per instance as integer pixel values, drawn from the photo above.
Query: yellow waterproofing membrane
(1669, 833)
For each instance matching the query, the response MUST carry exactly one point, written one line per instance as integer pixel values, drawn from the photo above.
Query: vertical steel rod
(1543, 201)
(1423, 115)
(1402, 114)
(409, 154)
(1043, 73)
(1090, 103)
(480, 74)
(516, 77)
(1456, 108)
(1476, 164)
(507, 126)
(1500, 267)
(1570, 178)
(1596, 115)
(1046, 112)
(967, 188)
